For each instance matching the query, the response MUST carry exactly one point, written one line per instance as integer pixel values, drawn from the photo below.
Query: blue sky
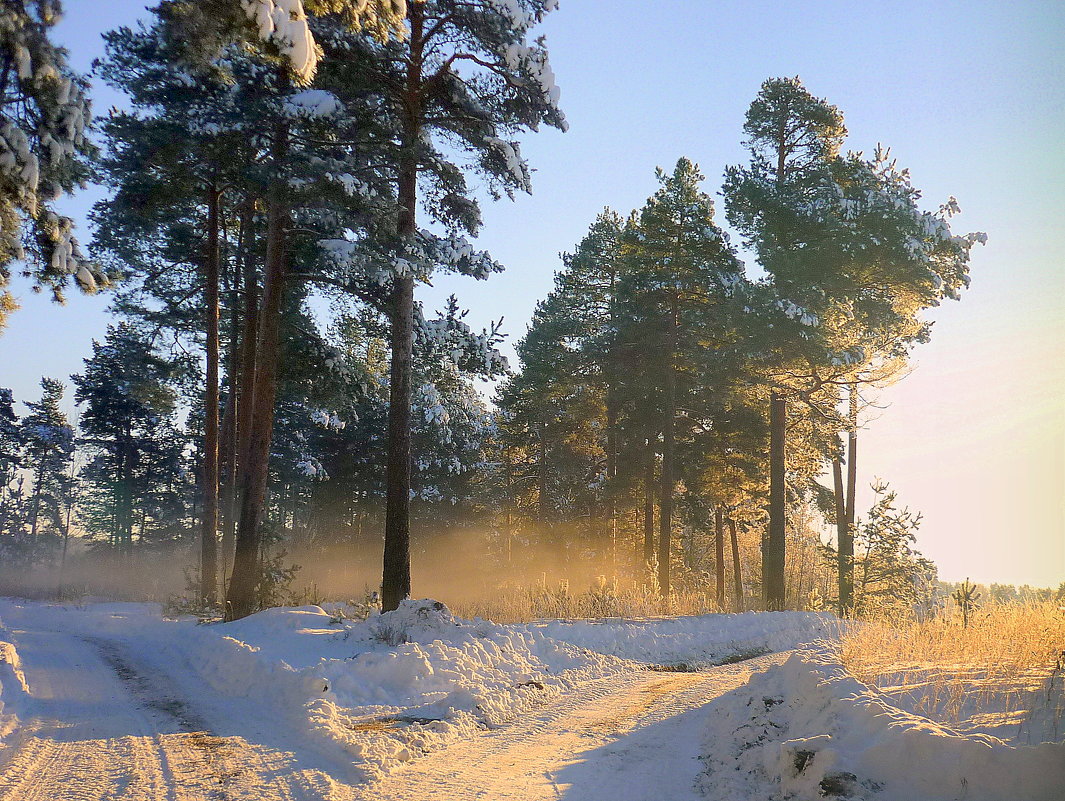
(969, 96)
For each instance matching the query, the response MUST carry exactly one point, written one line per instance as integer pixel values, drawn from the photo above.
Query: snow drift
(810, 730)
(695, 641)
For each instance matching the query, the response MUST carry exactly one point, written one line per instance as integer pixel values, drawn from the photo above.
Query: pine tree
(126, 425)
(465, 74)
(48, 447)
(851, 262)
(44, 152)
(679, 274)
(10, 462)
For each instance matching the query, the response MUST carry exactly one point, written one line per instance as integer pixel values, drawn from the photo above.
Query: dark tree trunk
(228, 447)
(665, 510)
(255, 467)
(395, 580)
(737, 592)
(245, 385)
(844, 545)
(773, 547)
(209, 519)
(719, 565)
(612, 426)
(845, 515)
(649, 490)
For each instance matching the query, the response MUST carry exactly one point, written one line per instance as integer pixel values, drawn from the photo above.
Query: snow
(807, 729)
(312, 103)
(691, 641)
(522, 711)
(284, 23)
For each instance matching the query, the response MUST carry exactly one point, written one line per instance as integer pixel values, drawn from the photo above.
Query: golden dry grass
(998, 672)
(605, 598)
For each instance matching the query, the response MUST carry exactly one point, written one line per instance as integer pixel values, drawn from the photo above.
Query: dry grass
(605, 598)
(1002, 674)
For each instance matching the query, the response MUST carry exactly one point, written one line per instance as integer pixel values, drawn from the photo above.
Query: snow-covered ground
(113, 700)
(806, 729)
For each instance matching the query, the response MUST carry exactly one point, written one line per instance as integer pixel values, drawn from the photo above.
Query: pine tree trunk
(737, 596)
(773, 556)
(395, 580)
(36, 513)
(719, 527)
(649, 489)
(844, 543)
(245, 385)
(542, 506)
(255, 467)
(612, 428)
(852, 480)
(227, 456)
(665, 510)
(209, 519)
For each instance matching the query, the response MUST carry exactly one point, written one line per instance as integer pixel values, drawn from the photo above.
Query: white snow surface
(694, 642)
(808, 730)
(299, 703)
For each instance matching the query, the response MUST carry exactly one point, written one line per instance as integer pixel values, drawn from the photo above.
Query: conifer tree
(48, 447)
(126, 425)
(10, 460)
(464, 74)
(44, 152)
(679, 274)
(851, 262)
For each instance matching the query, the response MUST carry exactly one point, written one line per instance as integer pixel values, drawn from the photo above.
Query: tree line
(270, 165)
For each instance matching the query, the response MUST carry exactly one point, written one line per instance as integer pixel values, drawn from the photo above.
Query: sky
(968, 95)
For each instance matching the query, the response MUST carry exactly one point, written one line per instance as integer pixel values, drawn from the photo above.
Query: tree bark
(773, 555)
(209, 519)
(737, 596)
(649, 503)
(255, 467)
(668, 426)
(245, 386)
(395, 581)
(719, 565)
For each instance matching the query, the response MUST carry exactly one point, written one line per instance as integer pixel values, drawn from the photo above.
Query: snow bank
(14, 694)
(809, 730)
(692, 641)
(393, 686)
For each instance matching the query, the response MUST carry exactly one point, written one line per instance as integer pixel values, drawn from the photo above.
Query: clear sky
(969, 95)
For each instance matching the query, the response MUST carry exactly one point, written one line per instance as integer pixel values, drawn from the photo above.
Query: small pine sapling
(966, 597)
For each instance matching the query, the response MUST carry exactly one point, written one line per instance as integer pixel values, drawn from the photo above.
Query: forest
(274, 416)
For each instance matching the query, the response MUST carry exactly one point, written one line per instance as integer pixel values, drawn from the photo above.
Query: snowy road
(114, 716)
(634, 737)
(106, 724)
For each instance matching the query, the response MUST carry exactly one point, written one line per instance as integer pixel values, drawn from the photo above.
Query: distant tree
(127, 428)
(48, 447)
(891, 575)
(44, 152)
(679, 274)
(10, 463)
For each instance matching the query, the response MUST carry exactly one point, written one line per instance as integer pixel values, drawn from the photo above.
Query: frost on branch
(448, 337)
(44, 114)
(419, 255)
